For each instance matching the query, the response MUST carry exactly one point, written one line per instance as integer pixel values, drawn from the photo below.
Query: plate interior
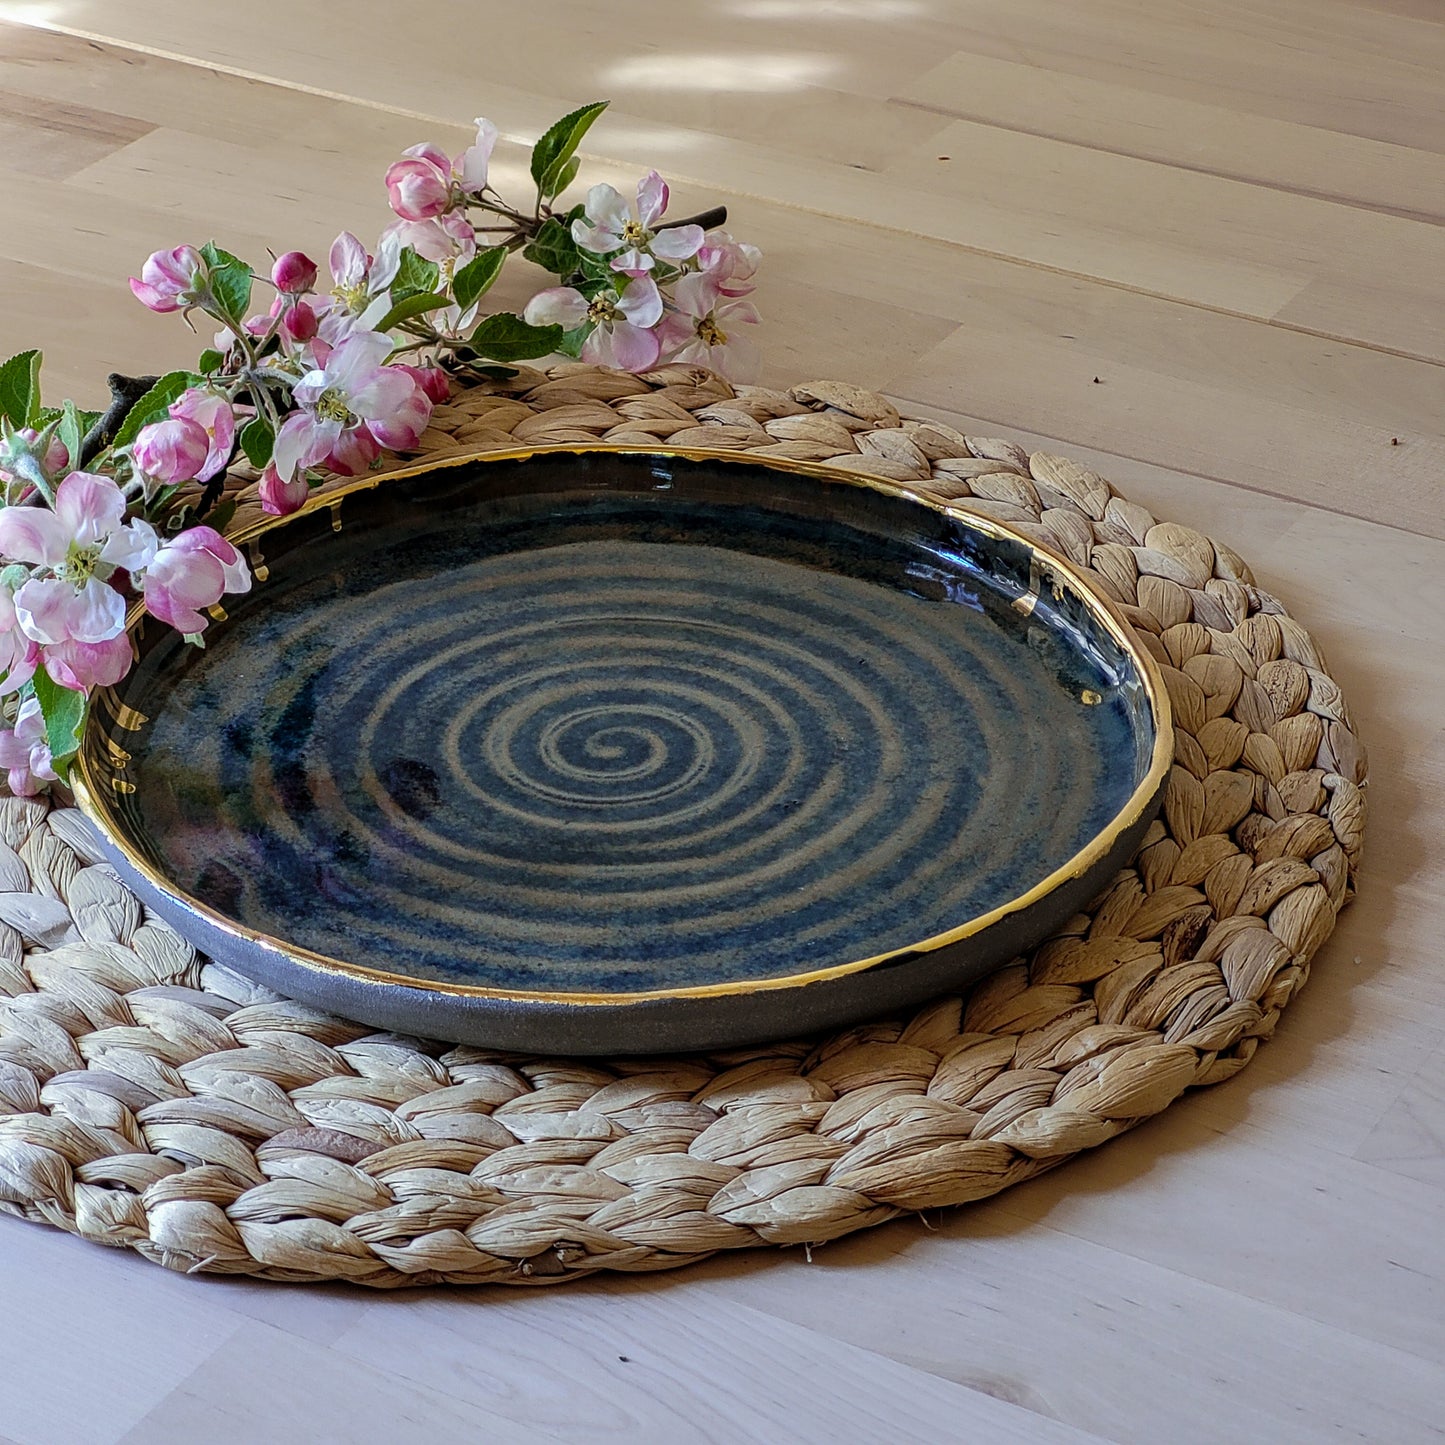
(605, 723)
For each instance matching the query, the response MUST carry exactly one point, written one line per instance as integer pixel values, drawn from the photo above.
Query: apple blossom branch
(100, 510)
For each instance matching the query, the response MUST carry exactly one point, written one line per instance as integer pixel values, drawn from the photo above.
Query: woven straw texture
(153, 1101)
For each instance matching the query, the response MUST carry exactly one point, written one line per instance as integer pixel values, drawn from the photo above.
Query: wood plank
(1143, 407)
(636, 1361)
(1331, 1239)
(1329, 65)
(64, 1304)
(1192, 135)
(1078, 1332)
(1410, 1137)
(1207, 258)
(266, 1385)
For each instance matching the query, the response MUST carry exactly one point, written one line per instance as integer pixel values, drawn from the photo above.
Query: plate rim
(91, 794)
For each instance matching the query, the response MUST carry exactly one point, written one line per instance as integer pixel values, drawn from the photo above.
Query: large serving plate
(593, 750)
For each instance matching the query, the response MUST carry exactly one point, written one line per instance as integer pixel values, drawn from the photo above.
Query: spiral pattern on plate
(613, 765)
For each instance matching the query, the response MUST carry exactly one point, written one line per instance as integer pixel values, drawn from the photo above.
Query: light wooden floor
(1199, 245)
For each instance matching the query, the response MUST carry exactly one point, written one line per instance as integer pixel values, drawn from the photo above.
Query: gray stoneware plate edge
(676, 1018)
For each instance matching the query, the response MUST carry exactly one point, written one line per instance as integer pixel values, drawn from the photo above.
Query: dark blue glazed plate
(590, 750)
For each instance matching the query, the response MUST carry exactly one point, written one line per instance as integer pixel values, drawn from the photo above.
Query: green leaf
(20, 388)
(210, 360)
(566, 176)
(559, 144)
(214, 256)
(554, 249)
(230, 283)
(571, 343)
(231, 289)
(64, 712)
(71, 432)
(411, 306)
(476, 277)
(505, 337)
(258, 441)
(154, 405)
(414, 276)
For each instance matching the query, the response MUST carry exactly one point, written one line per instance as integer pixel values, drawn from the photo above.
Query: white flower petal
(132, 547)
(89, 506)
(605, 207)
(387, 262)
(651, 198)
(677, 243)
(348, 260)
(476, 159)
(562, 306)
(33, 534)
(641, 302)
(97, 614)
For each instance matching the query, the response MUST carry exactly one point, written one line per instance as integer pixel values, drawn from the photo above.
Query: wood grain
(1231, 215)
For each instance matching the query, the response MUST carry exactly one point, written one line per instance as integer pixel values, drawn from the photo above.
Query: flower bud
(280, 498)
(293, 273)
(214, 416)
(419, 185)
(171, 451)
(298, 322)
(432, 380)
(171, 279)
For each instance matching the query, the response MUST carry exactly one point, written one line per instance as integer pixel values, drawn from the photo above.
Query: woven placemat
(151, 1100)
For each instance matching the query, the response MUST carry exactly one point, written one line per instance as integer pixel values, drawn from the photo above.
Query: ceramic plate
(590, 750)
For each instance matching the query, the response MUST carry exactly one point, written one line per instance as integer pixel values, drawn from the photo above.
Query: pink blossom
(704, 328)
(280, 498)
(360, 285)
(170, 280)
(192, 570)
(425, 183)
(401, 429)
(432, 380)
(354, 452)
(419, 185)
(18, 653)
(610, 225)
(352, 388)
(621, 334)
(214, 416)
(443, 238)
(82, 543)
(171, 451)
(84, 665)
(25, 752)
(731, 264)
(294, 273)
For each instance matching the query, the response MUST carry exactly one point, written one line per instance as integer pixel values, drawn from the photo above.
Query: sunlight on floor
(33, 12)
(720, 72)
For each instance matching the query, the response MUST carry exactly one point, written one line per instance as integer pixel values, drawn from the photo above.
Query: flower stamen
(79, 565)
(331, 406)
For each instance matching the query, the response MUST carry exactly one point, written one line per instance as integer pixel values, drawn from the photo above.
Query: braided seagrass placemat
(153, 1101)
